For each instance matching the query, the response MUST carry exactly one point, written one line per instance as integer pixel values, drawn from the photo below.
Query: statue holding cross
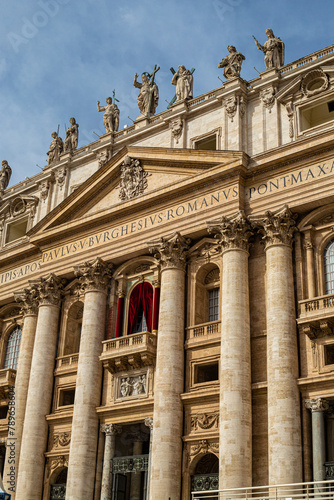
(111, 114)
(148, 97)
(183, 79)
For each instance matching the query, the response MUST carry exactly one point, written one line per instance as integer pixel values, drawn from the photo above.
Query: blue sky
(58, 57)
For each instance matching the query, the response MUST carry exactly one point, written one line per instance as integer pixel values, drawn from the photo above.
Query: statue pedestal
(141, 121)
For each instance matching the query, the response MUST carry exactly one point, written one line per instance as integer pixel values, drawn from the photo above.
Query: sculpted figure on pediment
(111, 115)
(183, 79)
(56, 148)
(133, 179)
(5, 175)
(148, 97)
(273, 50)
(232, 63)
(71, 139)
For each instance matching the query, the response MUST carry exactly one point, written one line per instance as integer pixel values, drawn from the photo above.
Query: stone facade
(170, 288)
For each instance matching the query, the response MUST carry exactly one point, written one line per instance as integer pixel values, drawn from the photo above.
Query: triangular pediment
(111, 191)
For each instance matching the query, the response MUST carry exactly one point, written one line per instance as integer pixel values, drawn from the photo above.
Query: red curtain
(142, 294)
(119, 317)
(156, 308)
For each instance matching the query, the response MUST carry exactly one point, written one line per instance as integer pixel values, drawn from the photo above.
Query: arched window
(329, 267)
(140, 308)
(12, 349)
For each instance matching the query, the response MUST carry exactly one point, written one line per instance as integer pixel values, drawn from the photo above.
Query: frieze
(205, 421)
(62, 439)
(204, 446)
(132, 386)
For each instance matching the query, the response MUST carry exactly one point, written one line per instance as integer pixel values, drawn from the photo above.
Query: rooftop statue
(111, 114)
(183, 79)
(56, 148)
(148, 97)
(5, 174)
(273, 50)
(71, 139)
(232, 63)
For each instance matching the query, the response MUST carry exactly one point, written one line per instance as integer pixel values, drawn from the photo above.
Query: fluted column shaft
(318, 407)
(29, 308)
(169, 376)
(110, 431)
(81, 468)
(235, 418)
(284, 435)
(34, 439)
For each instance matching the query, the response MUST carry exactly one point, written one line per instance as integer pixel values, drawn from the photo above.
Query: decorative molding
(44, 188)
(18, 206)
(132, 386)
(28, 300)
(94, 275)
(232, 232)
(133, 179)
(268, 97)
(176, 127)
(49, 289)
(62, 439)
(212, 276)
(171, 251)
(57, 462)
(205, 421)
(111, 429)
(204, 446)
(142, 268)
(318, 404)
(290, 112)
(277, 228)
(231, 104)
(149, 423)
(103, 156)
(60, 176)
(312, 78)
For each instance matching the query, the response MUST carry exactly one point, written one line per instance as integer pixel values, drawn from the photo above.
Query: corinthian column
(34, 440)
(235, 419)
(318, 407)
(94, 278)
(168, 414)
(285, 463)
(28, 299)
(110, 431)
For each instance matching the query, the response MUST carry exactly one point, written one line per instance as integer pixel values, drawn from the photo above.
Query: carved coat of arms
(133, 179)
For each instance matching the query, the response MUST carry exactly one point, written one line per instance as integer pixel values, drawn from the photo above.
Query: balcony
(317, 316)
(131, 351)
(297, 491)
(7, 380)
(67, 364)
(203, 333)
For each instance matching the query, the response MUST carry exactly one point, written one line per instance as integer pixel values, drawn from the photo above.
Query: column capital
(111, 429)
(317, 404)
(49, 290)
(28, 301)
(277, 228)
(232, 232)
(171, 251)
(149, 423)
(94, 276)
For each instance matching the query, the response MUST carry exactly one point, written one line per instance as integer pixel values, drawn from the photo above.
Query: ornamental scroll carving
(62, 439)
(111, 429)
(268, 98)
(231, 104)
(94, 275)
(277, 228)
(318, 404)
(133, 179)
(204, 446)
(171, 251)
(28, 300)
(232, 232)
(58, 462)
(205, 421)
(50, 289)
(176, 127)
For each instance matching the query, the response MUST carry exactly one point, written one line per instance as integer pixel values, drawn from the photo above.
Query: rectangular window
(214, 304)
(317, 115)
(329, 354)
(206, 373)
(16, 230)
(210, 143)
(66, 397)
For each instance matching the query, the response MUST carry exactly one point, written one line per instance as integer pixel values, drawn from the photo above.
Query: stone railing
(204, 330)
(68, 361)
(129, 341)
(316, 306)
(135, 463)
(307, 59)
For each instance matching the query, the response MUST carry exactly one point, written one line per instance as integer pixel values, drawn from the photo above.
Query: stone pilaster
(28, 299)
(284, 435)
(149, 423)
(135, 486)
(110, 431)
(169, 376)
(318, 407)
(94, 278)
(235, 418)
(34, 439)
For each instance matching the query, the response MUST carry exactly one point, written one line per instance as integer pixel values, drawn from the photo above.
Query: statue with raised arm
(273, 50)
(5, 174)
(56, 148)
(232, 63)
(183, 79)
(111, 115)
(148, 97)
(71, 139)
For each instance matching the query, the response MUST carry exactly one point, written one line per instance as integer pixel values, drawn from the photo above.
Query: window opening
(12, 349)
(206, 373)
(329, 354)
(214, 304)
(329, 268)
(16, 230)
